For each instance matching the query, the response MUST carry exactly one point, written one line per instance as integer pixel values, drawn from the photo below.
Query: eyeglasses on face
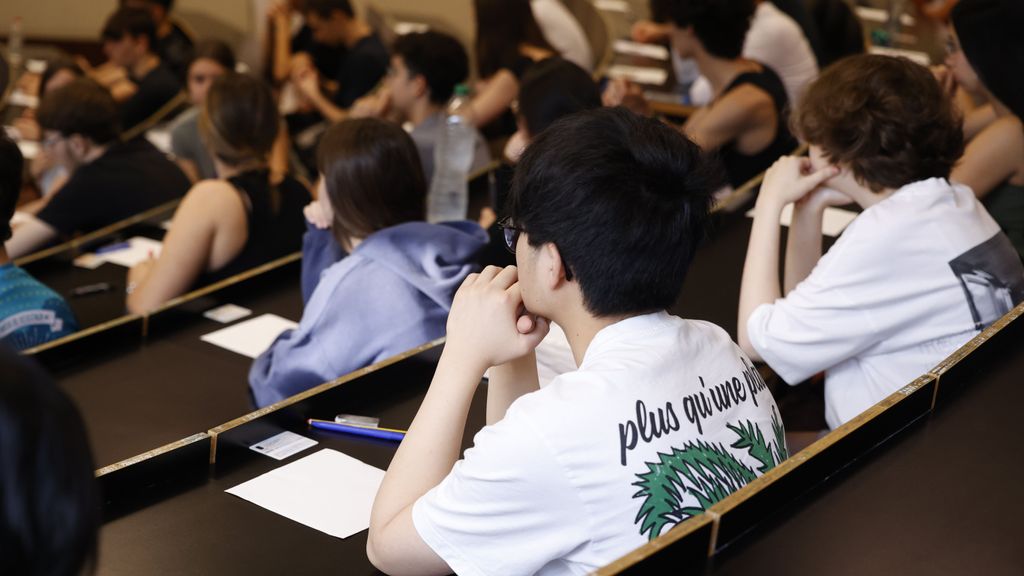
(511, 232)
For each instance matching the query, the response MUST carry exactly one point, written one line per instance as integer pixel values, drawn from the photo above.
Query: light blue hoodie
(393, 293)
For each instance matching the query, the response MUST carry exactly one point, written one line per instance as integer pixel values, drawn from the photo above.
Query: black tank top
(742, 167)
(275, 222)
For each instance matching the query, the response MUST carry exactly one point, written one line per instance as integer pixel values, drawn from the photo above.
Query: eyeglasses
(511, 232)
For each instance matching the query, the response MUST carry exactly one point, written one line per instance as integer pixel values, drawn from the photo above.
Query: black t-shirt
(157, 88)
(130, 177)
(176, 51)
(363, 67)
(327, 59)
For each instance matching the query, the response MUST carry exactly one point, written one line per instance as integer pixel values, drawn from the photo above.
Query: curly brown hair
(885, 118)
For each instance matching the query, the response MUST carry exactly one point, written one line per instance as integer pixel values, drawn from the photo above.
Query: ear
(78, 145)
(551, 267)
(422, 88)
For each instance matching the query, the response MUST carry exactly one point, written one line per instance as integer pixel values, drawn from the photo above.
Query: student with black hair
(391, 289)
(746, 121)
(50, 519)
(173, 44)
(551, 90)
(920, 271)
(212, 60)
(230, 225)
(334, 23)
(30, 313)
(607, 211)
(425, 69)
(508, 42)
(983, 49)
(129, 41)
(108, 179)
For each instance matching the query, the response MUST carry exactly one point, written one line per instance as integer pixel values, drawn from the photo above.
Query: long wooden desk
(940, 498)
(160, 383)
(201, 529)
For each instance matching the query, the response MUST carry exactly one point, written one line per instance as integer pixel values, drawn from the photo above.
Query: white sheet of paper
(654, 51)
(140, 249)
(403, 28)
(638, 74)
(835, 220)
(612, 6)
(252, 337)
(161, 138)
(327, 491)
(881, 15)
(23, 99)
(912, 55)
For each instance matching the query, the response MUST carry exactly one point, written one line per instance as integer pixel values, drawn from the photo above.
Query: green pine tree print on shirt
(704, 471)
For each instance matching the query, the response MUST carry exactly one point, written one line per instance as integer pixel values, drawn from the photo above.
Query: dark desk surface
(941, 498)
(140, 397)
(203, 530)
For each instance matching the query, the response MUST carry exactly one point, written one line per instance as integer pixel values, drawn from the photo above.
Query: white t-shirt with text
(663, 418)
(912, 279)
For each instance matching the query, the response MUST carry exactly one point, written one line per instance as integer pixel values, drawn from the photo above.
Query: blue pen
(381, 433)
(114, 247)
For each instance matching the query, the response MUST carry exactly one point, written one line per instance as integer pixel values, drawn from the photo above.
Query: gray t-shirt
(426, 136)
(186, 144)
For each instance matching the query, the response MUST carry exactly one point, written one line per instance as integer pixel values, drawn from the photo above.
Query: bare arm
(993, 157)
(508, 382)
(30, 236)
(186, 252)
(803, 244)
(431, 448)
(788, 180)
(189, 168)
(727, 118)
(494, 98)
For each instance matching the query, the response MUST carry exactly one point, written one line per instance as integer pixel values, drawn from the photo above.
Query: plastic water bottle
(448, 198)
(15, 41)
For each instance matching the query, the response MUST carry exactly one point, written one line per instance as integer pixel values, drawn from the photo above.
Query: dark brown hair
(238, 121)
(501, 26)
(373, 176)
(134, 22)
(81, 107)
(886, 118)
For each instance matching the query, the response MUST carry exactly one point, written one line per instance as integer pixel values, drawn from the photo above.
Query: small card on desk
(327, 490)
(227, 313)
(283, 445)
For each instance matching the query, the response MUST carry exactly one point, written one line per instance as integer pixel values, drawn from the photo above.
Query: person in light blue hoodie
(377, 279)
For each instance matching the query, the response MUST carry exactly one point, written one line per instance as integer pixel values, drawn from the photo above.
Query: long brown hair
(373, 177)
(238, 120)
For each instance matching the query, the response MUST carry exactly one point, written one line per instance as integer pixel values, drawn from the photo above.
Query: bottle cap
(462, 90)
